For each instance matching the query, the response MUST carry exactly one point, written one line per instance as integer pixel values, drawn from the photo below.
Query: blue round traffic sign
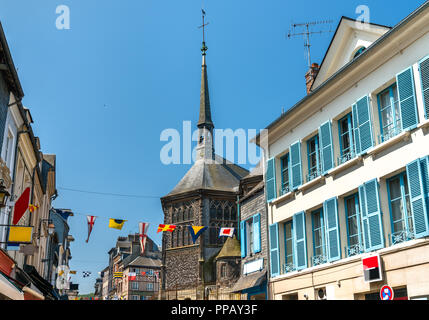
(386, 293)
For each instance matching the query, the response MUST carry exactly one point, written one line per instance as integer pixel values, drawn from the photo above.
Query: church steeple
(205, 120)
(205, 148)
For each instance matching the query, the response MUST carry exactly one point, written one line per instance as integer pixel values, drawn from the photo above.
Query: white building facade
(347, 169)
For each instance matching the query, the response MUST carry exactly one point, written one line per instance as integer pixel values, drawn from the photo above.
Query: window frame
(397, 128)
(285, 185)
(405, 217)
(350, 134)
(357, 215)
(291, 241)
(317, 153)
(322, 229)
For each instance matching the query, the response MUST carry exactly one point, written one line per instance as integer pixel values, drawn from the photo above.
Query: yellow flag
(116, 223)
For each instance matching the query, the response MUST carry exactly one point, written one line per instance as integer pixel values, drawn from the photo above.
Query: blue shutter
(371, 216)
(407, 99)
(296, 165)
(327, 153)
(417, 199)
(271, 179)
(300, 241)
(243, 238)
(274, 249)
(364, 218)
(355, 129)
(364, 126)
(257, 233)
(424, 76)
(424, 164)
(330, 211)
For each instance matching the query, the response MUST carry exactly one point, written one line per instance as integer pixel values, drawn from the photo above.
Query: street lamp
(4, 194)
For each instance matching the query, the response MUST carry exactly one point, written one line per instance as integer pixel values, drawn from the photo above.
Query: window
(249, 242)
(319, 255)
(289, 265)
(354, 225)
(150, 272)
(400, 209)
(345, 128)
(390, 116)
(223, 273)
(135, 297)
(149, 287)
(360, 50)
(134, 285)
(313, 158)
(8, 151)
(284, 164)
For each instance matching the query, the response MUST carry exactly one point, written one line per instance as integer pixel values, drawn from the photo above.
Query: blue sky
(102, 92)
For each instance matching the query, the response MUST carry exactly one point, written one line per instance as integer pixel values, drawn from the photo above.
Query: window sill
(403, 136)
(423, 124)
(345, 165)
(286, 196)
(311, 183)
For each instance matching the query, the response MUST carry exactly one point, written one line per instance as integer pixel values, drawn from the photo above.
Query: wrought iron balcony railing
(388, 134)
(354, 250)
(288, 267)
(401, 236)
(319, 259)
(284, 190)
(346, 157)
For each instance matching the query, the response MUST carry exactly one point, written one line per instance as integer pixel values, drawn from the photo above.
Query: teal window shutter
(417, 199)
(371, 216)
(424, 165)
(364, 125)
(330, 211)
(355, 129)
(300, 240)
(407, 99)
(424, 76)
(257, 233)
(296, 165)
(271, 179)
(274, 249)
(243, 244)
(327, 153)
(364, 218)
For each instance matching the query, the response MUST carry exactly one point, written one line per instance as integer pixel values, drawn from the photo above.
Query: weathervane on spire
(203, 48)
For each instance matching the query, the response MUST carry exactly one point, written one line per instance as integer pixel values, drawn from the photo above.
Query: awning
(8, 289)
(44, 286)
(31, 293)
(249, 281)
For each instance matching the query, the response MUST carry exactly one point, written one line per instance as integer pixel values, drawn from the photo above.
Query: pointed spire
(205, 112)
(205, 120)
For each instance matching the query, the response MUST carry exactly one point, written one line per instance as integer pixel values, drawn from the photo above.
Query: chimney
(311, 75)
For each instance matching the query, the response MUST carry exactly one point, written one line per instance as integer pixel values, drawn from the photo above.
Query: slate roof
(219, 175)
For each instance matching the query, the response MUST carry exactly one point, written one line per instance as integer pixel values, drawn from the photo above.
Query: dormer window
(359, 51)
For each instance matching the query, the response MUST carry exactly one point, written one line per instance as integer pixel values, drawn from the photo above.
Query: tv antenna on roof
(307, 33)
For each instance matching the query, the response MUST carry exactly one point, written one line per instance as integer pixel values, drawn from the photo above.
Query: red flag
(21, 206)
(226, 232)
(143, 234)
(143, 273)
(131, 276)
(91, 221)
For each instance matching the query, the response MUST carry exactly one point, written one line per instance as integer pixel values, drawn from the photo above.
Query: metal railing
(354, 250)
(390, 133)
(287, 267)
(316, 172)
(284, 190)
(401, 236)
(345, 157)
(319, 259)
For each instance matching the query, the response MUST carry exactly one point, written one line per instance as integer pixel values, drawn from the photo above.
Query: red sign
(386, 293)
(21, 205)
(372, 268)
